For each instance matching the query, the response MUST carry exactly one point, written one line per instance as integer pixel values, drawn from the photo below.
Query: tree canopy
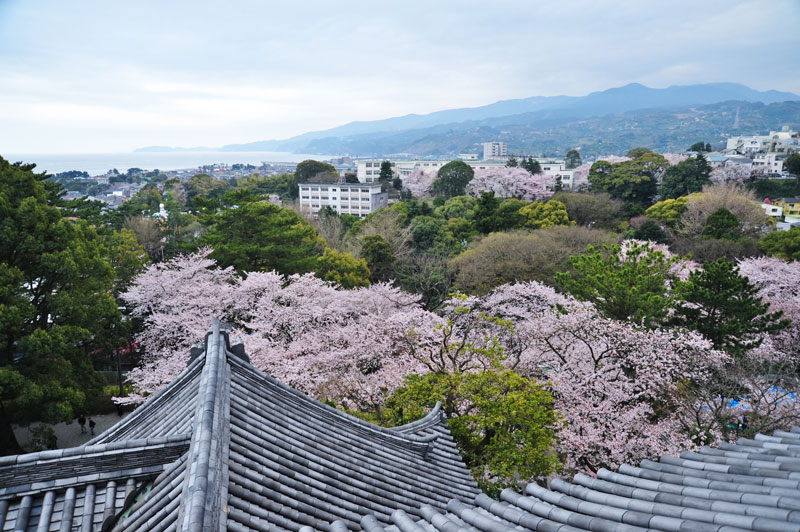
(634, 181)
(262, 237)
(686, 177)
(452, 179)
(572, 159)
(56, 304)
(627, 284)
(311, 171)
(725, 307)
(783, 244)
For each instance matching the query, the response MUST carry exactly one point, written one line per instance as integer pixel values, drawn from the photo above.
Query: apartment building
(494, 150)
(368, 170)
(359, 199)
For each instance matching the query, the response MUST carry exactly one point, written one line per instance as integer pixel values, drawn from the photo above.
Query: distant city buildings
(766, 152)
(359, 199)
(494, 150)
(368, 170)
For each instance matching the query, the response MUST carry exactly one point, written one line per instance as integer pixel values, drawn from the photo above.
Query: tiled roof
(225, 447)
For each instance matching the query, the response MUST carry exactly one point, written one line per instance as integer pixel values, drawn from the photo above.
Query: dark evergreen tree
(724, 307)
(686, 177)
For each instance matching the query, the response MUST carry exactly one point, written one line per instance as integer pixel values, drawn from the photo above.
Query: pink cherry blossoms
(420, 182)
(512, 182)
(624, 393)
(610, 379)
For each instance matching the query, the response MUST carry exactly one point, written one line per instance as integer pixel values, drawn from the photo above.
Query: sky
(111, 76)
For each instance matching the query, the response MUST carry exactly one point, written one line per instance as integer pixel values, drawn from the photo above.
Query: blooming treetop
(674, 158)
(733, 175)
(420, 182)
(609, 378)
(512, 182)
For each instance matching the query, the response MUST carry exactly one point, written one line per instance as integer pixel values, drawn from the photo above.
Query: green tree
(262, 237)
(55, 304)
(596, 210)
(512, 162)
(202, 186)
(502, 422)
(538, 215)
(635, 153)
(377, 251)
(722, 224)
(386, 174)
(792, 164)
(311, 171)
(485, 217)
(284, 185)
(573, 159)
(724, 307)
(628, 285)
(508, 214)
(783, 244)
(531, 165)
(452, 179)
(457, 207)
(342, 269)
(700, 147)
(652, 231)
(686, 177)
(518, 256)
(633, 181)
(669, 211)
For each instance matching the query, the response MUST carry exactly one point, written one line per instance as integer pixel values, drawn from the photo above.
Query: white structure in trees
(494, 150)
(368, 170)
(359, 199)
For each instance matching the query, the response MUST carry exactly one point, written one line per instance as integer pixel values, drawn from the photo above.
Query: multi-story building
(494, 150)
(784, 141)
(770, 162)
(791, 206)
(368, 170)
(359, 199)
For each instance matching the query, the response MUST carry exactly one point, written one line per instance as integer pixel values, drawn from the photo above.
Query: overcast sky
(109, 76)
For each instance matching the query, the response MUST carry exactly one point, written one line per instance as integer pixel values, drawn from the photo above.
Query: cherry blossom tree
(512, 182)
(674, 158)
(420, 182)
(624, 393)
(615, 385)
(731, 175)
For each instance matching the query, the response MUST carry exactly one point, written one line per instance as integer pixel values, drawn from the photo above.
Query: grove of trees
(643, 312)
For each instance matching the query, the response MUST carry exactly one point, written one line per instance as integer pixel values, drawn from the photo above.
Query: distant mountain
(370, 138)
(659, 129)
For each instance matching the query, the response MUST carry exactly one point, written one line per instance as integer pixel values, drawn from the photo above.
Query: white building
(494, 150)
(769, 163)
(359, 199)
(775, 211)
(368, 170)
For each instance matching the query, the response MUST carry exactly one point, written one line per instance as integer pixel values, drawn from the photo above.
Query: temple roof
(226, 447)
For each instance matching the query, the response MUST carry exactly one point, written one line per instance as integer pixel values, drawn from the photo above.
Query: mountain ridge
(617, 100)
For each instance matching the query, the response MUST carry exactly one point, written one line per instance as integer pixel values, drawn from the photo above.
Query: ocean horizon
(100, 163)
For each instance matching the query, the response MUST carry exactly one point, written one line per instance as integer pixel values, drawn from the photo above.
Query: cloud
(107, 76)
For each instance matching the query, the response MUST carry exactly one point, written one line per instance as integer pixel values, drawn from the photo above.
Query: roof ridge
(204, 498)
(75, 452)
(392, 433)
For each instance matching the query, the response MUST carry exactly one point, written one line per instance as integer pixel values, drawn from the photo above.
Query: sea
(100, 163)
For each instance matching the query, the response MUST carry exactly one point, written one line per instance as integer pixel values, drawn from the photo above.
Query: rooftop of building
(226, 447)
